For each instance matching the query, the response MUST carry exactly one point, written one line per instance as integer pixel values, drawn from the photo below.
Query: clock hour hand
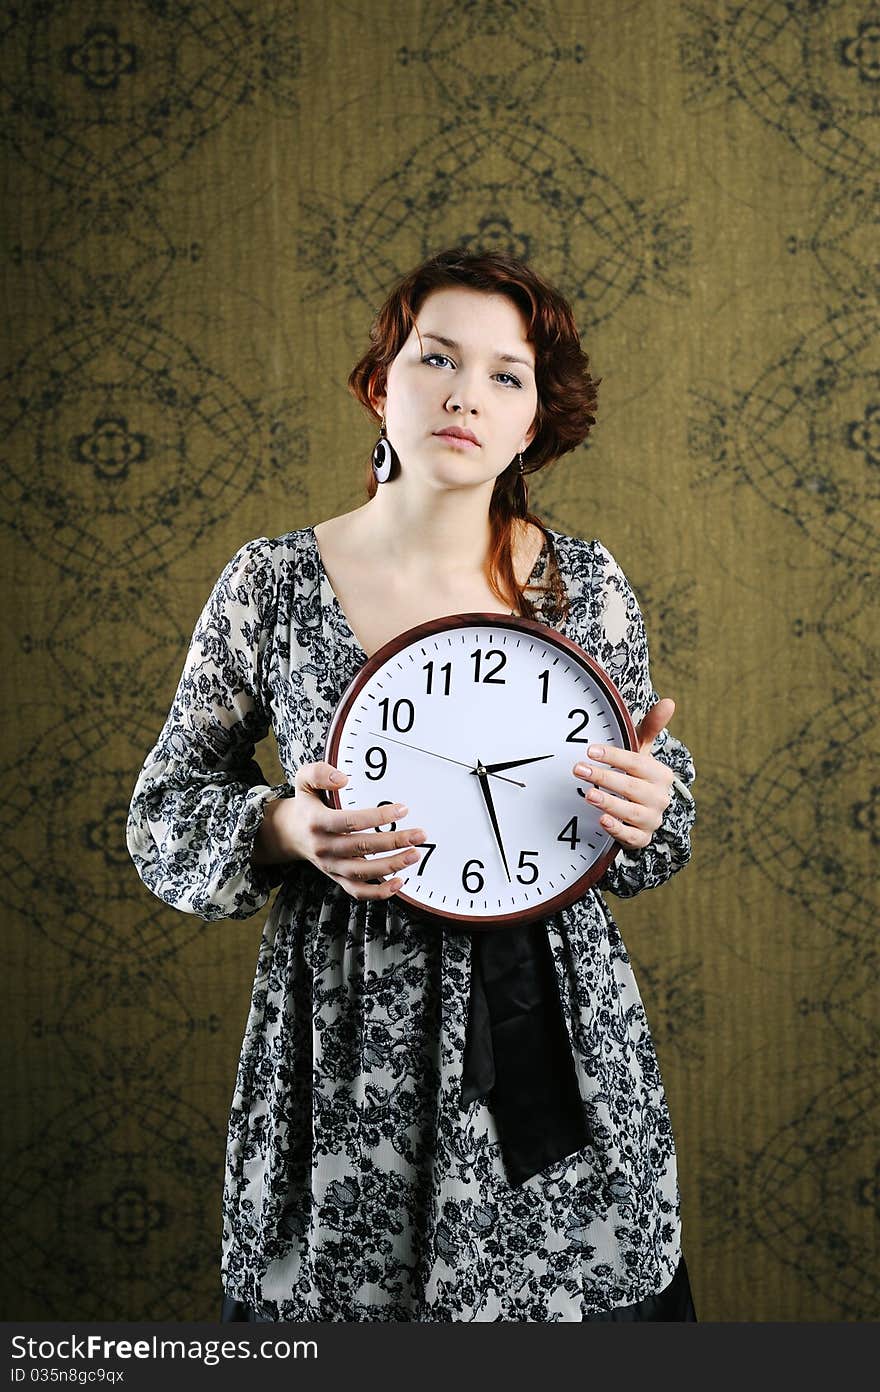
(516, 763)
(482, 774)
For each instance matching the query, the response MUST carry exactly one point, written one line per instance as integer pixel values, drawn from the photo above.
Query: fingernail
(338, 777)
(583, 770)
(596, 751)
(400, 810)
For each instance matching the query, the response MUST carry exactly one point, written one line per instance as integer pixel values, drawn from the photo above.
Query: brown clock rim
(517, 623)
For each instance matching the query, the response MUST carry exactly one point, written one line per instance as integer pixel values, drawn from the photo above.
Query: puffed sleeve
(622, 649)
(199, 798)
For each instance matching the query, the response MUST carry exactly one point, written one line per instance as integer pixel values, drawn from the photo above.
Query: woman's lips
(457, 441)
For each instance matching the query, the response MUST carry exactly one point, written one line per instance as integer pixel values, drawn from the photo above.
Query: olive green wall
(203, 207)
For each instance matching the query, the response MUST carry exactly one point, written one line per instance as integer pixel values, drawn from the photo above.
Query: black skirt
(674, 1302)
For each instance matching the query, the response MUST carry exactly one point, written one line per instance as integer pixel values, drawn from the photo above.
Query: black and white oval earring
(384, 457)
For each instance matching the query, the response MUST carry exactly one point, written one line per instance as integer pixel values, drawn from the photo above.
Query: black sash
(517, 1051)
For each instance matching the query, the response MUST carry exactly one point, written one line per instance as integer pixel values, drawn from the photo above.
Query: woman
(367, 1177)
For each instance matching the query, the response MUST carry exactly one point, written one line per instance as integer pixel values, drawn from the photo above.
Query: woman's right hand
(338, 841)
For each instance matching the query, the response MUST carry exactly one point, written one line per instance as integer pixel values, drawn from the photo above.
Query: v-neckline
(324, 581)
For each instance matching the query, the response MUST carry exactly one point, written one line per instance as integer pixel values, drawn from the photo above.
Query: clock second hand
(374, 734)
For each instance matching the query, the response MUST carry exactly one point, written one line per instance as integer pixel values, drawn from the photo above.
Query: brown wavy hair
(566, 391)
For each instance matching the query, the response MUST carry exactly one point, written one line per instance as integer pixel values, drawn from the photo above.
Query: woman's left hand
(633, 800)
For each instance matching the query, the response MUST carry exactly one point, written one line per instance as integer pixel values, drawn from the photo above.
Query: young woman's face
(465, 383)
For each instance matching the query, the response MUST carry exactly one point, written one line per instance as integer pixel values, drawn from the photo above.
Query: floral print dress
(357, 1185)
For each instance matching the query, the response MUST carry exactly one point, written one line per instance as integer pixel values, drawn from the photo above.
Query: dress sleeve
(199, 798)
(622, 649)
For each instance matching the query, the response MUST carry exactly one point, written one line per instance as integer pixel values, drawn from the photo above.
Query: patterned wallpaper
(204, 204)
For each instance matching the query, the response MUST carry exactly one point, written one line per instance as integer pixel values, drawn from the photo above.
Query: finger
(362, 871)
(646, 788)
(364, 843)
(644, 816)
(650, 805)
(362, 818)
(315, 778)
(635, 762)
(629, 837)
(655, 720)
(360, 891)
(649, 791)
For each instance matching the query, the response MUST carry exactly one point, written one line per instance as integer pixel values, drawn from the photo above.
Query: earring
(384, 456)
(519, 452)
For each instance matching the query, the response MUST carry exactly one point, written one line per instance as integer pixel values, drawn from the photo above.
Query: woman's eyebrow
(456, 347)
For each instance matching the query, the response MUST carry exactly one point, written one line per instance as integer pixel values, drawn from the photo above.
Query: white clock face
(427, 722)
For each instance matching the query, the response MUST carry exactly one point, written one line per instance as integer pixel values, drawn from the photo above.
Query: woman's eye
(443, 358)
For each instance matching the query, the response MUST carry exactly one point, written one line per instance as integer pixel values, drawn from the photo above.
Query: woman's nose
(462, 405)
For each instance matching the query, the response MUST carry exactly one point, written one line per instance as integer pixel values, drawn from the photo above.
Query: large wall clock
(475, 722)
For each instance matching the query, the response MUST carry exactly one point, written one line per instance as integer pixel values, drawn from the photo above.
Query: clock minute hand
(516, 763)
(490, 805)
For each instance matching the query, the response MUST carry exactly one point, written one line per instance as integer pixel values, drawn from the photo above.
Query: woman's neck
(445, 534)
